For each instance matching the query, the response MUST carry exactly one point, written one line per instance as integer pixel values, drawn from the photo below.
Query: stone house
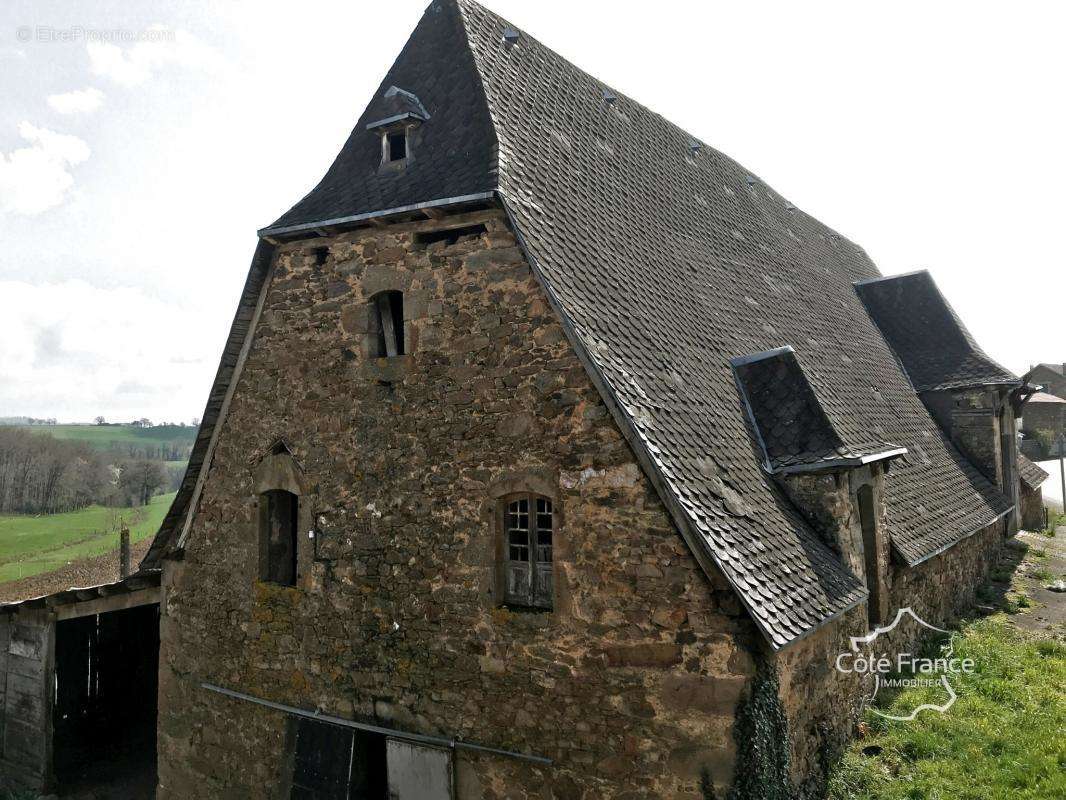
(1044, 412)
(1051, 376)
(544, 434)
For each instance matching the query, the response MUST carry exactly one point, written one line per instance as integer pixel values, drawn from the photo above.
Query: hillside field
(109, 436)
(31, 545)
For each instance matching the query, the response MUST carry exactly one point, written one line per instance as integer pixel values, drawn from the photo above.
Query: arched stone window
(279, 486)
(528, 527)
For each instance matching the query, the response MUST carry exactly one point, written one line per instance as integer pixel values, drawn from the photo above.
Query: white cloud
(74, 350)
(36, 178)
(134, 65)
(81, 101)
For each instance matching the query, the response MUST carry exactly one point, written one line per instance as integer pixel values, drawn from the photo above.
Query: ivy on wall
(761, 734)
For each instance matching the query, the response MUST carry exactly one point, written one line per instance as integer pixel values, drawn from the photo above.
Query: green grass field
(1003, 739)
(30, 545)
(107, 436)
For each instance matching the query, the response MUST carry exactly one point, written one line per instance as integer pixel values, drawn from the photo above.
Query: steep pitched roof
(1032, 475)
(455, 155)
(665, 259)
(932, 343)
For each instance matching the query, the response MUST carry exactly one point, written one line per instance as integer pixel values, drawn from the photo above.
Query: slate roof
(932, 343)
(453, 155)
(1044, 397)
(793, 429)
(664, 259)
(1059, 369)
(1032, 475)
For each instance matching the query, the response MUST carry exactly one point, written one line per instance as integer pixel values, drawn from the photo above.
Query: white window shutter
(417, 772)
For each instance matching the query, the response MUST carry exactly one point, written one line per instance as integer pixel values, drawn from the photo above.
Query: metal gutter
(385, 212)
(857, 461)
(381, 123)
(407, 736)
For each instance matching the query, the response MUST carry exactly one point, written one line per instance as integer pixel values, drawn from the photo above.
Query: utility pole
(1062, 467)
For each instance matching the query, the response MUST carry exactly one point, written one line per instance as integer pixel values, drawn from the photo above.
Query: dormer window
(396, 146)
(401, 112)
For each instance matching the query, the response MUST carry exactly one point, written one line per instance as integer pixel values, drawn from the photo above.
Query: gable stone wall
(629, 685)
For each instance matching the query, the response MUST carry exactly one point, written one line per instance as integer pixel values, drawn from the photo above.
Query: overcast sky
(142, 145)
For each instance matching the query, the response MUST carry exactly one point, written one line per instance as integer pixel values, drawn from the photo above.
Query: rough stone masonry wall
(630, 685)
(1044, 417)
(823, 704)
(1032, 506)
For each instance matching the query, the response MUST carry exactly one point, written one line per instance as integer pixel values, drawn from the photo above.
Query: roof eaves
(283, 230)
(842, 463)
(882, 278)
(944, 548)
(387, 121)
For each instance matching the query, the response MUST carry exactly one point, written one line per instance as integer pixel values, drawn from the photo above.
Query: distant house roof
(1044, 397)
(664, 260)
(793, 428)
(927, 335)
(1059, 369)
(1032, 475)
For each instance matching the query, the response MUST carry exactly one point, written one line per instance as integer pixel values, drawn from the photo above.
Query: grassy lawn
(104, 436)
(1004, 738)
(30, 545)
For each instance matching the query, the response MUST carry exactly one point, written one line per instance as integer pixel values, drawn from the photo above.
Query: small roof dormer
(399, 108)
(793, 427)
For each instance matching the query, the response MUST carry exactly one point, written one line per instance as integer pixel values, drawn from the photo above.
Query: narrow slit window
(386, 316)
(279, 515)
(396, 146)
(529, 525)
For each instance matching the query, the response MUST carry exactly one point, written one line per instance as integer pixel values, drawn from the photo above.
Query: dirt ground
(86, 572)
(1048, 610)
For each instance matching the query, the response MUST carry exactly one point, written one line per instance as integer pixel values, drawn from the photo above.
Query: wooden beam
(446, 222)
(434, 213)
(102, 605)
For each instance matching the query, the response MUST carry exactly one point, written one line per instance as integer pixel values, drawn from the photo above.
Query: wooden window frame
(539, 570)
(383, 325)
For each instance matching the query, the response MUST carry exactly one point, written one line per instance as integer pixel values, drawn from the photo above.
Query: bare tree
(139, 481)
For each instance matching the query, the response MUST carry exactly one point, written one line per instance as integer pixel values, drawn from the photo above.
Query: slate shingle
(1032, 475)
(936, 349)
(793, 429)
